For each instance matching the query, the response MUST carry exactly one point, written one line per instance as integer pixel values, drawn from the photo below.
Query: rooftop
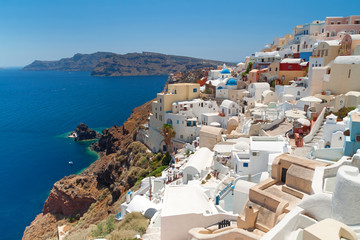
(271, 144)
(185, 199)
(347, 60)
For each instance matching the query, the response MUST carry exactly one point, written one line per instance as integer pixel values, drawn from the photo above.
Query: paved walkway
(280, 129)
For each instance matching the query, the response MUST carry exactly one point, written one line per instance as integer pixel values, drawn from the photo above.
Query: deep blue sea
(37, 109)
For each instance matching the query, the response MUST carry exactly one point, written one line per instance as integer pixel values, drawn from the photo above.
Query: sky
(226, 30)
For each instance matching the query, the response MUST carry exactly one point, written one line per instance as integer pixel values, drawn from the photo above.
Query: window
(332, 22)
(298, 93)
(276, 69)
(160, 117)
(195, 90)
(357, 21)
(338, 22)
(181, 136)
(357, 138)
(326, 52)
(160, 108)
(156, 115)
(191, 105)
(177, 121)
(245, 164)
(349, 73)
(160, 100)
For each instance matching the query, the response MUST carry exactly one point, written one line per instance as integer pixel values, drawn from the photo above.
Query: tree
(168, 132)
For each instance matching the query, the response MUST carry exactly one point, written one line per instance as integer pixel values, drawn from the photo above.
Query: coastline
(96, 188)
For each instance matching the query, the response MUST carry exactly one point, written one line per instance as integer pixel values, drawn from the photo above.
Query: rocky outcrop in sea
(83, 132)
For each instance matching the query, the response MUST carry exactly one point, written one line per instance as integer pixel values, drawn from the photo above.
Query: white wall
(177, 227)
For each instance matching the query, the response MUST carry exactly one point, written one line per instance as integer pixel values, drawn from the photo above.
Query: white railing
(308, 138)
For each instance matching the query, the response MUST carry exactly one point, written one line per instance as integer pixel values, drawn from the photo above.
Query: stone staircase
(319, 135)
(305, 151)
(152, 233)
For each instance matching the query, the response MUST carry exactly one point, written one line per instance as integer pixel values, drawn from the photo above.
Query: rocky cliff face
(147, 63)
(131, 64)
(94, 194)
(189, 77)
(79, 62)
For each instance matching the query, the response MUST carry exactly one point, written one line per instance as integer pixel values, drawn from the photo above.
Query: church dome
(225, 71)
(231, 82)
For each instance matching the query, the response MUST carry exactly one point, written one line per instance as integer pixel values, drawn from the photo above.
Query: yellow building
(343, 75)
(163, 103)
(286, 70)
(327, 50)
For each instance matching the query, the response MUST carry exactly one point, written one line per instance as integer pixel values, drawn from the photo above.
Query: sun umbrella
(311, 99)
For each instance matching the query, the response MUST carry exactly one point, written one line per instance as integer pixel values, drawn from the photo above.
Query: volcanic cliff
(91, 196)
(130, 64)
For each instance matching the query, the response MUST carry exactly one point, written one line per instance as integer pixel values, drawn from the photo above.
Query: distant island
(130, 64)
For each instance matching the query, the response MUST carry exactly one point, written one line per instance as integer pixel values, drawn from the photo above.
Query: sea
(37, 111)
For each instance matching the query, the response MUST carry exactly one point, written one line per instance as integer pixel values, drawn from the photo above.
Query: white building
(333, 134)
(255, 93)
(186, 117)
(186, 207)
(263, 59)
(223, 87)
(228, 109)
(198, 165)
(259, 157)
(284, 92)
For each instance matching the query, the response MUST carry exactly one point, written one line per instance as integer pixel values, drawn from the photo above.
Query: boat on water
(72, 135)
(71, 163)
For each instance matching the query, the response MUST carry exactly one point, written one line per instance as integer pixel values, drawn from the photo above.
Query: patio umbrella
(295, 114)
(311, 99)
(304, 121)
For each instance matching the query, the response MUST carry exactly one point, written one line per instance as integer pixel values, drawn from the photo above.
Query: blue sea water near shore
(36, 110)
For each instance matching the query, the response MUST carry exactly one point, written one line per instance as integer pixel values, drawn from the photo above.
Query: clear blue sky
(222, 30)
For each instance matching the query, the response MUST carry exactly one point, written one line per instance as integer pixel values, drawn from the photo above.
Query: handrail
(308, 138)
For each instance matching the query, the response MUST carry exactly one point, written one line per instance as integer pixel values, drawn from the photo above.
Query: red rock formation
(102, 183)
(72, 195)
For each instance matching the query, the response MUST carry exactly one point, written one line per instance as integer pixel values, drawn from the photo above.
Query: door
(283, 174)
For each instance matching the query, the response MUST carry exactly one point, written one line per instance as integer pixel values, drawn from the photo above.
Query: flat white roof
(269, 144)
(223, 148)
(347, 60)
(291, 60)
(185, 199)
(210, 114)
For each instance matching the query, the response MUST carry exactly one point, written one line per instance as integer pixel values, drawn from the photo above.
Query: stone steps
(153, 233)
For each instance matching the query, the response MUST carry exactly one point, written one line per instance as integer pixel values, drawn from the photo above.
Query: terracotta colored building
(335, 25)
(287, 70)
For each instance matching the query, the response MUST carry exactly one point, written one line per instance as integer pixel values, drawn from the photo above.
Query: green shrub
(166, 159)
(157, 172)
